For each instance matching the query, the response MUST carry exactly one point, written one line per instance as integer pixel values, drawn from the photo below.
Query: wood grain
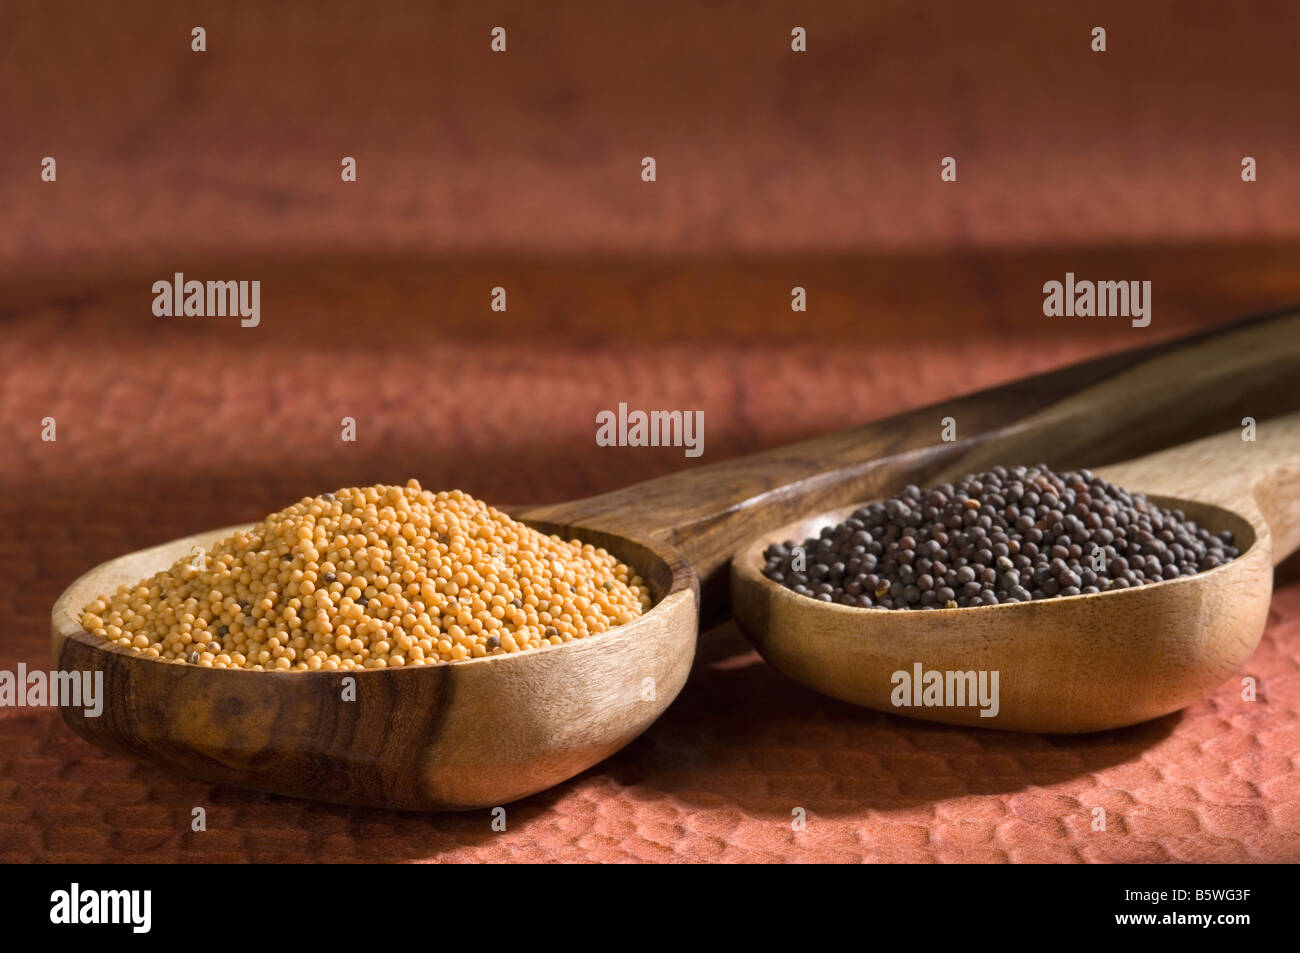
(1073, 664)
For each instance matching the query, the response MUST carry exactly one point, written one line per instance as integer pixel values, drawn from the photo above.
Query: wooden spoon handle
(1104, 410)
(1256, 478)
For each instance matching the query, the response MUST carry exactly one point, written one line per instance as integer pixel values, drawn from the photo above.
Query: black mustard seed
(1009, 535)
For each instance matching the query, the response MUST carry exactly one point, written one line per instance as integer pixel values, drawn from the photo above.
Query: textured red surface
(718, 777)
(165, 429)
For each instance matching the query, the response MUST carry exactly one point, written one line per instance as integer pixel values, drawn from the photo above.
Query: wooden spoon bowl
(1066, 664)
(471, 734)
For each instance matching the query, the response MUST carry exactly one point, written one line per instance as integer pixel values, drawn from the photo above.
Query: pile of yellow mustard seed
(372, 577)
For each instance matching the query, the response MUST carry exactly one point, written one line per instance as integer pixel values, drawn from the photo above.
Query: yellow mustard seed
(372, 577)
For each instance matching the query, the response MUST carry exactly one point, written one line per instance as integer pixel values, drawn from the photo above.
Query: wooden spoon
(1071, 664)
(470, 734)
(487, 731)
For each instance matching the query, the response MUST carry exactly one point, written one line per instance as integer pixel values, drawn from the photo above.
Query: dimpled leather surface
(718, 777)
(162, 432)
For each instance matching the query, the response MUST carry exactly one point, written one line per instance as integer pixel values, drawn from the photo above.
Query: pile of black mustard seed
(1008, 535)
